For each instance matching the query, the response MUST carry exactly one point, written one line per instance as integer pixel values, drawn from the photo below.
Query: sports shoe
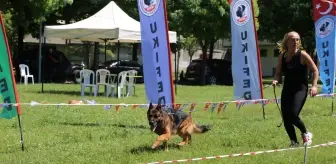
(307, 138)
(294, 144)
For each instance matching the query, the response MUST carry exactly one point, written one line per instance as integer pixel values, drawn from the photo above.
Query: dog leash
(276, 101)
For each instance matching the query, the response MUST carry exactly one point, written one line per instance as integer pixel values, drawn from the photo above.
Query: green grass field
(91, 134)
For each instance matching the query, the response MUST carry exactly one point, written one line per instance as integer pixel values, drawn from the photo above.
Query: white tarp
(110, 23)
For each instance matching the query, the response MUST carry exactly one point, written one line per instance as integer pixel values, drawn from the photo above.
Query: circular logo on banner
(149, 7)
(241, 12)
(324, 27)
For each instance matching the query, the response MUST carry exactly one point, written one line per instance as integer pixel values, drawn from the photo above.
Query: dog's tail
(201, 128)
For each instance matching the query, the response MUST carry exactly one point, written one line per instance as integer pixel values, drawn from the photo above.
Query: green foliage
(79, 10)
(24, 16)
(31, 13)
(205, 20)
(190, 44)
(108, 52)
(281, 16)
(256, 13)
(81, 51)
(10, 31)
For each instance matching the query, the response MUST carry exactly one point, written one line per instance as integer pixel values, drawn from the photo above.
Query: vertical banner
(7, 81)
(246, 67)
(324, 19)
(155, 51)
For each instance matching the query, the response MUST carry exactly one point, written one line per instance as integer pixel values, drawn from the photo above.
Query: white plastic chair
(119, 83)
(112, 84)
(24, 71)
(131, 82)
(102, 79)
(88, 80)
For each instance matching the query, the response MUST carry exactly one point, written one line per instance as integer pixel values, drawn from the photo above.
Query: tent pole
(118, 49)
(43, 62)
(176, 74)
(105, 51)
(40, 54)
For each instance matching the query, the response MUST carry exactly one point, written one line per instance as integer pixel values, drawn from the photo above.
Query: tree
(26, 15)
(190, 44)
(273, 23)
(206, 20)
(79, 10)
(200, 18)
(10, 31)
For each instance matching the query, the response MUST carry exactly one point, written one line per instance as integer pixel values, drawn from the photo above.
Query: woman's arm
(278, 71)
(307, 60)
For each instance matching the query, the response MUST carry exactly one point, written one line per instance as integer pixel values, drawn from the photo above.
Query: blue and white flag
(156, 52)
(324, 17)
(246, 67)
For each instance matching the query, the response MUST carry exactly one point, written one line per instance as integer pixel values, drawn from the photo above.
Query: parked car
(218, 71)
(55, 67)
(115, 67)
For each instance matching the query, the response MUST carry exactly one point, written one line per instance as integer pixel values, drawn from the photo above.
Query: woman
(294, 63)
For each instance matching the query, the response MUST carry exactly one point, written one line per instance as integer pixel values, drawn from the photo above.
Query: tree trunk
(87, 56)
(212, 45)
(95, 56)
(190, 55)
(20, 39)
(19, 51)
(204, 47)
(178, 63)
(135, 52)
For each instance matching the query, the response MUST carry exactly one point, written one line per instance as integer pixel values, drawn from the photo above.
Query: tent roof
(110, 23)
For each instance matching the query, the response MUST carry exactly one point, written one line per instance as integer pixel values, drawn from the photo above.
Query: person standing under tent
(294, 63)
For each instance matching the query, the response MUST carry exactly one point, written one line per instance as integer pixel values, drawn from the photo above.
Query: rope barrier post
(21, 135)
(305, 154)
(332, 106)
(264, 114)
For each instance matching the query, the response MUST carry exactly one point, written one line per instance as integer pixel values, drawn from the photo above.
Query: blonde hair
(283, 44)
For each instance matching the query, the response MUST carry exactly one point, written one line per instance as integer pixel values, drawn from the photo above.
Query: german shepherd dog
(168, 124)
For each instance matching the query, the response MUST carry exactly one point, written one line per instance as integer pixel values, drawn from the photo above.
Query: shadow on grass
(187, 83)
(106, 125)
(130, 126)
(146, 149)
(73, 93)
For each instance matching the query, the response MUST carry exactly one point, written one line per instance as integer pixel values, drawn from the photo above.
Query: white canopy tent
(110, 24)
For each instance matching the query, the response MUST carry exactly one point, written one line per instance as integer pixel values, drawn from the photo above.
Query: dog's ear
(159, 107)
(149, 110)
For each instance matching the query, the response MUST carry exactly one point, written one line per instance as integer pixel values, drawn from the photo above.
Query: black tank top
(296, 74)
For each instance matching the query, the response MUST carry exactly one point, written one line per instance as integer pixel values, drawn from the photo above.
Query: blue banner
(246, 72)
(324, 17)
(155, 52)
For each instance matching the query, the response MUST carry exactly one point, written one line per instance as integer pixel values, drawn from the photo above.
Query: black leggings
(292, 101)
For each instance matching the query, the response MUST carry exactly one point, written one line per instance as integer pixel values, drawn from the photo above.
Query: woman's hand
(313, 91)
(274, 83)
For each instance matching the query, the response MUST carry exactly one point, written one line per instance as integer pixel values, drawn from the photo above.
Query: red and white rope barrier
(241, 154)
(219, 106)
